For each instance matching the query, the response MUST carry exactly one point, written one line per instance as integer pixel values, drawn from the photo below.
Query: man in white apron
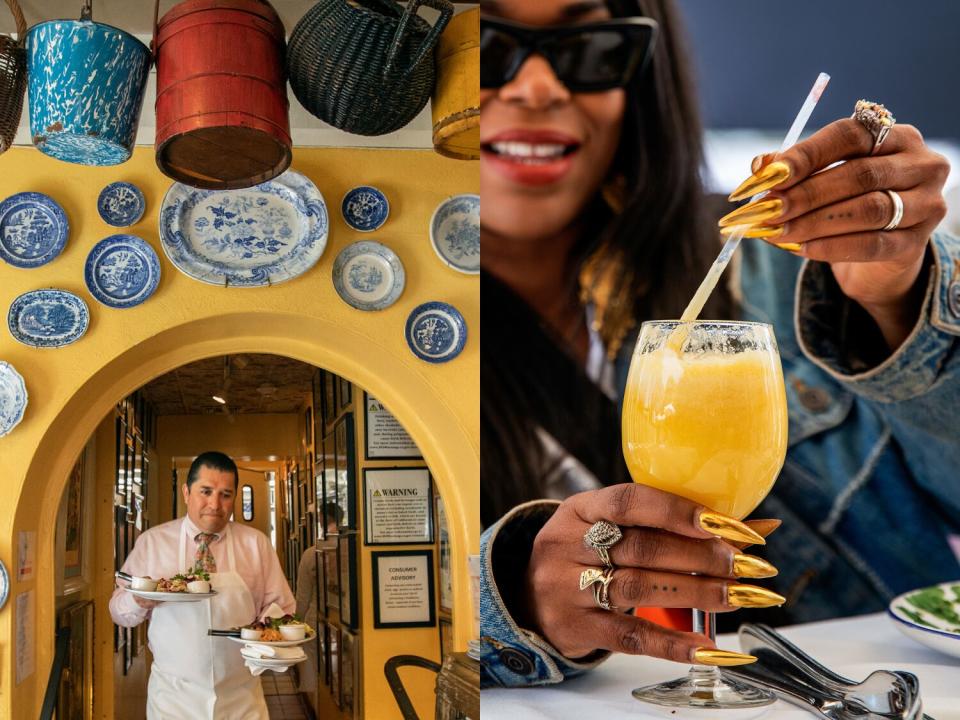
(195, 676)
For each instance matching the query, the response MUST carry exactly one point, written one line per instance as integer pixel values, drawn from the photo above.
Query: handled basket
(366, 68)
(13, 78)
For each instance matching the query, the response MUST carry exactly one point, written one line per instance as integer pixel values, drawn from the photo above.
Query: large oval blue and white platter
(33, 229)
(122, 271)
(48, 318)
(264, 235)
(13, 398)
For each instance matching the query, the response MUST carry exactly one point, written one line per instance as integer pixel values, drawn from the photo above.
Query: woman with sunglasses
(594, 219)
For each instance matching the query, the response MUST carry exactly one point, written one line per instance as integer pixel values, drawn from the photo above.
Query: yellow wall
(72, 389)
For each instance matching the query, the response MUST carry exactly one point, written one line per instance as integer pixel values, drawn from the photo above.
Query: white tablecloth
(854, 647)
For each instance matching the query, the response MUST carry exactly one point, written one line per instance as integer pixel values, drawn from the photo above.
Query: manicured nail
(789, 247)
(711, 656)
(764, 232)
(753, 596)
(757, 163)
(768, 177)
(729, 529)
(751, 566)
(755, 213)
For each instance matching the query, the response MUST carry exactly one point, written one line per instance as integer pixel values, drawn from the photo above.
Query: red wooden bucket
(222, 108)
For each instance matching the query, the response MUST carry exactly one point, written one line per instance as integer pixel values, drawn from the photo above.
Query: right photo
(720, 375)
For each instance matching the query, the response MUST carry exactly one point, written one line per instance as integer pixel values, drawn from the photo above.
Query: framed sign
(332, 510)
(346, 473)
(403, 592)
(446, 576)
(398, 505)
(384, 437)
(331, 572)
(348, 580)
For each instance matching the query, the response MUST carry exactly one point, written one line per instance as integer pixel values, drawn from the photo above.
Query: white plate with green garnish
(930, 616)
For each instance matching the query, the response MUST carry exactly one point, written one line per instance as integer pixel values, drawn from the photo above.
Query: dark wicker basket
(366, 69)
(13, 78)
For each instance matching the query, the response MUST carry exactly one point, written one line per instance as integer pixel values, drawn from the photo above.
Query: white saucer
(171, 596)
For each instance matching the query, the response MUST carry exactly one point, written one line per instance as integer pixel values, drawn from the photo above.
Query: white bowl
(250, 634)
(293, 632)
(198, 586)
(143, 583)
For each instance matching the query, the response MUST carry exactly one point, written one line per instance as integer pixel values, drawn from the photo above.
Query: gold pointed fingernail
(753, 596)
(729, 529)
(711, 656)
(764, 232)
(751, 566)
(755, 213)
(768, 177)
(789, 247)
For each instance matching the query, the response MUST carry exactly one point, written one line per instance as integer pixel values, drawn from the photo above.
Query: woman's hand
(663, 542)
(837, 215)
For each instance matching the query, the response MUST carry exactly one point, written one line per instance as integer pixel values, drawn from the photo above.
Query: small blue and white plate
(365, 208)
(931, 616)
(121, 204)
(33, 229)
(455, 233)
(368, 276)
(122, 271)
(48, 318)
(13, 398)
(436, 332)
(4, 585)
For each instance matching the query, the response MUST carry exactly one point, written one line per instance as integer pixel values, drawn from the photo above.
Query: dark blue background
(755, 61)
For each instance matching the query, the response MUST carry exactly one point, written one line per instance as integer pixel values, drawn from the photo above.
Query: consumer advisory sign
(399, 503)
(403, 589)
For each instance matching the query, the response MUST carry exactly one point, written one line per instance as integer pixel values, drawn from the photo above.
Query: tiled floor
(283, 700)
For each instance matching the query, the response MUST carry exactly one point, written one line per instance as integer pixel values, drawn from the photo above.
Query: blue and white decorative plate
(4, 585)
(48, 318)
(436, 332)
(13, 398)
(455, 233)
(368, 276)
(262, 235)
(930, 616)
(121, 204)
(122, 271)
(33, 229)
(365, 208)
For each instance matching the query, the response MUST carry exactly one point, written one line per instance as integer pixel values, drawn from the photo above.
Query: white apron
(195, 676)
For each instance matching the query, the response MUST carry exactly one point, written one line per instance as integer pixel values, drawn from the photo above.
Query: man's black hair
(215, 461)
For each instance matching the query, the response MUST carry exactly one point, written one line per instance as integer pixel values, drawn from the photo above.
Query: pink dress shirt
(155, 554)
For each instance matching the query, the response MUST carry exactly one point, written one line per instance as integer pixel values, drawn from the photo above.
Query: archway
(449, 447)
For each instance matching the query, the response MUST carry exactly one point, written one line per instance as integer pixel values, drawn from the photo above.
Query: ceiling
(251, 383)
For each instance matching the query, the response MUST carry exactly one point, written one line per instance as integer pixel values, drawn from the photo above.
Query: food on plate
(144, 583)
(288, 627)
(293, 631)
(195, 582)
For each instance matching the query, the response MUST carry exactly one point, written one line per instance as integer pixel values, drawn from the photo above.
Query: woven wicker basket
(368, 68)
(13, 78)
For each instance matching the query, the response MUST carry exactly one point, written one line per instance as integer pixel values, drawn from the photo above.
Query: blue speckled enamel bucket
(86, 82)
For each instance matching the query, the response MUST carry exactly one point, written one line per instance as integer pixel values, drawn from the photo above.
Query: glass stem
(703, 624)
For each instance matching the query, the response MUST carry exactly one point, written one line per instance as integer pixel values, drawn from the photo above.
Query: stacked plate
(268, 655)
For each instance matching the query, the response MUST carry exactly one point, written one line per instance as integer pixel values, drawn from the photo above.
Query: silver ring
(897, 211)
(600, 580)
(602, 536)
(876, 119)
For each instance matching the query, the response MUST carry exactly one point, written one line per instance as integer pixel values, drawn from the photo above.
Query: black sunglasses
(586, 58)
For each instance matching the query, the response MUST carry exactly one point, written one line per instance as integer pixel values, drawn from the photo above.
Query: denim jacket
(869, 494)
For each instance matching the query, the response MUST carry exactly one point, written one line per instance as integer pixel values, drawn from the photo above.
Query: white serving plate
(275, 643)
(171, 596)
(926, 627)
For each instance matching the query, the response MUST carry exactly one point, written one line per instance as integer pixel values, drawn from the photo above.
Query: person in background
(594, 220)
(308, 598)
(194, 676)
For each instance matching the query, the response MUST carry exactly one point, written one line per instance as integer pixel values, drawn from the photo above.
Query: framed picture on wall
(384, 437)
(446, 638)
(348, 671)
(346, 473)
(329, 399)
(321, 588)
(398, 506)
(332, 511)
(308, 427)
(75, 699)
(333, 642)
(403, 592)
(73, 532)
(347, 560)
(344, 393)
(323, 665)
(446, 576)
(331, 570)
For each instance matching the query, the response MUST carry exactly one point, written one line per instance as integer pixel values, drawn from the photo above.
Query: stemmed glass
(705, 417)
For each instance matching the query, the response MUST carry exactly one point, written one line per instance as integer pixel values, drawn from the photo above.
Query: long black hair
(655, 245)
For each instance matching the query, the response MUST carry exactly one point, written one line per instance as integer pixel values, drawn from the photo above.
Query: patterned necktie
(204, 557)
